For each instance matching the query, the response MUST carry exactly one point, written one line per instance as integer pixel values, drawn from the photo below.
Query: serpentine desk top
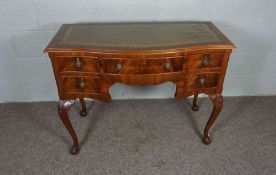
(138, 36)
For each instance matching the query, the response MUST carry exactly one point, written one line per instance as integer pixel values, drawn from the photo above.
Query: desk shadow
(187, 111)
(43, 122)
(95, 108)
(231, 112)
(55, 126)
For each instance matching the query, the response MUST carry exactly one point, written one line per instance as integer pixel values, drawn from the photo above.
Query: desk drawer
(69, 64)
(202, 81)
(81, 85)
(202, 61)
(142, 66)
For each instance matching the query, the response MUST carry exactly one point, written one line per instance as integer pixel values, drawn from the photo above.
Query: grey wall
(26, 26)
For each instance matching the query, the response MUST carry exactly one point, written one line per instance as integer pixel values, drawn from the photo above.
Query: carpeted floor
(140, 137)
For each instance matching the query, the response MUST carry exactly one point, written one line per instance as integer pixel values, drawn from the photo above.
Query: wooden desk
(88, 59)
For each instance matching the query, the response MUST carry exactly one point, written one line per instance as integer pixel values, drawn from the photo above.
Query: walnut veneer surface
(89, 58)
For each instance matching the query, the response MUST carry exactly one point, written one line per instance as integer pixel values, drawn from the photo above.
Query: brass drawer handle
(78, 63)
(167, 66)
(81, 83)
(201, 81)
(205, 61)
(119, 66)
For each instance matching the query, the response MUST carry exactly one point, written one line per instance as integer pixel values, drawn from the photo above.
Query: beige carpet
(140, 137)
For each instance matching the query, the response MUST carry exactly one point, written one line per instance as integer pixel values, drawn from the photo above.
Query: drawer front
(201, 81)
(78, 64)
(81, 85)
(142, 66)
(201, 61)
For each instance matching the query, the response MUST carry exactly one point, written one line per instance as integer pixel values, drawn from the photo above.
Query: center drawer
(143, 65)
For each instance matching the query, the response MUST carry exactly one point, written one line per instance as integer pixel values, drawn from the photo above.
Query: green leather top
(137, 35)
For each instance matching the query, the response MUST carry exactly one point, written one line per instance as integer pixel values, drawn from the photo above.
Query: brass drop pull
(205, 61)
(167, 66)
(201, 81)
(119, 66)
(82, 83)
(78, 63)
(144, 62)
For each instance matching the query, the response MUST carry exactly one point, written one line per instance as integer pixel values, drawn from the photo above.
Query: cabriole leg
(63, 108)
(195, 106)
(83, 111)
(218, 103)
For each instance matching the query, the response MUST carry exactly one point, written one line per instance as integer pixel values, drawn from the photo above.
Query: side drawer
(88, 85)
(203, 61)
(71, 64)
(202, 81)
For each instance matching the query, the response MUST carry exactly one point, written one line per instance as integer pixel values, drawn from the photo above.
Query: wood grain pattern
(72, 85)
(202, 81)
(85, 70)
(204, 61)
(68, 64)
(143, 66)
